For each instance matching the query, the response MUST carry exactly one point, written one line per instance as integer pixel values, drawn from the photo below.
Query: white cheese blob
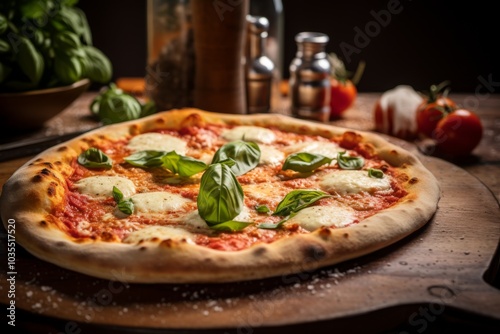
(345, 182)
(403, 100)
(160, 232)
(270, 156)
(102, 186)
(250, 133)
(194, 219)
(158, 202)
(328, 149)
(314, 217)
(157, 142)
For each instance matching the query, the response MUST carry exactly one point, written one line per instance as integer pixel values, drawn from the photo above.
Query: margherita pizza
(193, 196)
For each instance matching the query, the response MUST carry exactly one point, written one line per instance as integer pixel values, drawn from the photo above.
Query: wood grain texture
(433, 279)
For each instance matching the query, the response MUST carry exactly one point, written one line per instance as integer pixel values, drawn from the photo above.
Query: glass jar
(310, 86)
(170, 67)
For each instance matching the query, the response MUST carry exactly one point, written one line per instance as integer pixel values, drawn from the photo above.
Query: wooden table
(440, 267)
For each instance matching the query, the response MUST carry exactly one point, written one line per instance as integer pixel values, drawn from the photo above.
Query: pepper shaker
(259, 68)
(310, 78)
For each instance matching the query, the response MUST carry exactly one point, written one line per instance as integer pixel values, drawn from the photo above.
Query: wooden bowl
(31, 109)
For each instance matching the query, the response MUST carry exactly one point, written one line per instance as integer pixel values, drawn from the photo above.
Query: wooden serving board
(436, 278)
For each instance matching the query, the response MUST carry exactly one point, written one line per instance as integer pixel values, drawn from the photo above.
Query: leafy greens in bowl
(46, 44)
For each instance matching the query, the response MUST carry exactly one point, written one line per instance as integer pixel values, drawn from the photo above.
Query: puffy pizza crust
(39, 185)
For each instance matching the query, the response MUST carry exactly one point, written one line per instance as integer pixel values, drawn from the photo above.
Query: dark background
(426, 43)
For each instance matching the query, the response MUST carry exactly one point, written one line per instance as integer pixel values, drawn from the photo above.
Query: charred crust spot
(314, 252)
(106, 236)
(48, 164)
(325, 232)
(413, 180)
(384, 168)
(403, 178)
(259, 251)
(160, 120)
(38, 160)
(58, 163)
(143, 248)
(43, 223)
(51, 191)
(62, 149)
(155, 239)
(134, 129)
(168, 243)
(345, 235)
(394, 152)
(37, 178)
(45, 171)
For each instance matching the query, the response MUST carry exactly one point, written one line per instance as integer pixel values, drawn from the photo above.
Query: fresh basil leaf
(376, 173)
(29, 59)
(85, 28)
(33, 9)
(3, 24)
(98, 67)
(126, 206)
(347, 162)
(262, 209)
(4, 46)
(230, 226)
(304, 162)
(221, 197)
(95, 158)
(271, 226)
(117, 194)
(245, 154)
(115, 107)
(182, 165)
(297, 200)
(67, 68)
(148, 158)
(177, 164)
(66, 41)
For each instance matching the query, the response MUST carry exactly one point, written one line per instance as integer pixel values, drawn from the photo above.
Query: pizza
(193, 196)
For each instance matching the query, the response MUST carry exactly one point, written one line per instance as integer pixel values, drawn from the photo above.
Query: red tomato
(430, 113)
(458, 133)
(342, 97)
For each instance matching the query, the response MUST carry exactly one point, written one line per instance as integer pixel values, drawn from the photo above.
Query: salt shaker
(259, 67)
(310, 78)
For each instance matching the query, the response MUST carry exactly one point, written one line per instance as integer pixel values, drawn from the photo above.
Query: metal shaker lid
(257, 24)
(311, 37)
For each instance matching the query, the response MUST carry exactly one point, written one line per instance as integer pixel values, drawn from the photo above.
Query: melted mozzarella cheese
(194, 219)
(102, 186)
(160, 232)
(250, 133)
(158, 202)
(315, 217)
(157, 142)
(270, 156)
(327, 149)
(345, 182)
(265, 192)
